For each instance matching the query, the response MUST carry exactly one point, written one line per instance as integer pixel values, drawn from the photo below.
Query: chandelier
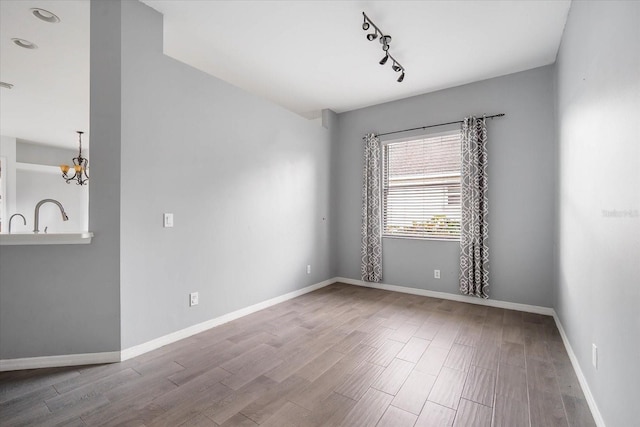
(80, 165)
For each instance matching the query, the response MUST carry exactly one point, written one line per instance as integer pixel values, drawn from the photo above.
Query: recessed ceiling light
(24, 43)
(45, 15)
(6, 85)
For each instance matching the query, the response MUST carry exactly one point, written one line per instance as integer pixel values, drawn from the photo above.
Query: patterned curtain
(474, 255)
(371, 267)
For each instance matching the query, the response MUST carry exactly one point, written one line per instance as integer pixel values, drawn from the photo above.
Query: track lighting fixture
(385, 41)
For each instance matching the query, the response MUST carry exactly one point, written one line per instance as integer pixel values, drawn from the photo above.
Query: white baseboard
(58, 361)
(453, 297)
(201, 327)
(597, 416)
(117, 356)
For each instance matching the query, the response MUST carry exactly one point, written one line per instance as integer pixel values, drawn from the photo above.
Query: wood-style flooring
(339, 356)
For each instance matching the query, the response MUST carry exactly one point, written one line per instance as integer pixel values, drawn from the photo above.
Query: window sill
(82, 238)
(426, 239)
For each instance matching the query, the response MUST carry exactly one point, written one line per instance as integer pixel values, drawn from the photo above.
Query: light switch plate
(168, 220)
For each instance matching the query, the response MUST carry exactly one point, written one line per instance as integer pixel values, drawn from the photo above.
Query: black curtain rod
(439, 124)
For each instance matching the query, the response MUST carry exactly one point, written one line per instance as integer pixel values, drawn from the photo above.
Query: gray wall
(65, 299)
(247, 181)
(521, 177)
(598, 110)
(28, 152)
(241, 175)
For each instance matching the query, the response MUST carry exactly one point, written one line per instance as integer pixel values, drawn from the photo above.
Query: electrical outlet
(168, 220)
(309, 269)
(436, 274)
(193, 299)
(594, 356)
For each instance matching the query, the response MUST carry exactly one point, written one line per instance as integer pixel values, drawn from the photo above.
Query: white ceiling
(303, 55)
(50, 97)
(311, 55)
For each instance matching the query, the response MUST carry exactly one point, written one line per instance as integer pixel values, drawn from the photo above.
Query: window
(421, 187)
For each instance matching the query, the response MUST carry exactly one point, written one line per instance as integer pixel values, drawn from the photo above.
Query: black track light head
(372, 36)
(385, 39)
(385, 47)
(396, 67)
(384, 60)
(401, 78)
(365, 24)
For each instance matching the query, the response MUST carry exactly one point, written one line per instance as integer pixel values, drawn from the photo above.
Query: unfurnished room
(320, 213)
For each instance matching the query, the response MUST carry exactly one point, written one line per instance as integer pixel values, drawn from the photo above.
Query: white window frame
(383, 188)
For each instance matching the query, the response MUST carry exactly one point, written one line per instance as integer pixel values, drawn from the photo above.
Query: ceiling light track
(385, 40)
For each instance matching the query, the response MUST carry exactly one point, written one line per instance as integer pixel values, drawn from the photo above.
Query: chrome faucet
(11, 219)
(36, 216)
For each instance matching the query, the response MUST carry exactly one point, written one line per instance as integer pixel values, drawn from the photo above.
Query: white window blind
(421, 187)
